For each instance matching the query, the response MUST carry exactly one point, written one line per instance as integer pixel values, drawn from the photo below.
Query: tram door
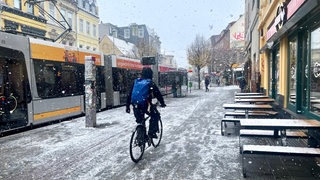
(14, 90)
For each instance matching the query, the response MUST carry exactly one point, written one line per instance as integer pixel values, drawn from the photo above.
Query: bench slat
(255, 132)
(280, 150)
(231, 119)
(249, 114)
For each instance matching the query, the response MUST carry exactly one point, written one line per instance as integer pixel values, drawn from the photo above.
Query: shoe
(153, 136)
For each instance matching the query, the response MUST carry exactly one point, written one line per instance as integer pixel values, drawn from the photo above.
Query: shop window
(277, 74)
(270, 74)
(315, 72)
(292, 70)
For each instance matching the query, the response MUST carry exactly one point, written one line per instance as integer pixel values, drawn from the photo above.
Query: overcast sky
(176, 22)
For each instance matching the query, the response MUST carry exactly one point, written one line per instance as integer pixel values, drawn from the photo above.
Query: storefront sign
(293, 6)
(284, 13)
(278, 22)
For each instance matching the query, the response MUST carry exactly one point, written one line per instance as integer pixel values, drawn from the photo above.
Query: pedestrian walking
(207, 82)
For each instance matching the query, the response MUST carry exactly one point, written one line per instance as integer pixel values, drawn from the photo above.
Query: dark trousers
(139, 112)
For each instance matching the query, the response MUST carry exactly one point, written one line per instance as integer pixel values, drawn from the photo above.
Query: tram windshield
(14, 89)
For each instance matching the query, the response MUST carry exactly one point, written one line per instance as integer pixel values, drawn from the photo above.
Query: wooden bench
(266, 114)
(270, 134)
(233, 120)
(277, 150)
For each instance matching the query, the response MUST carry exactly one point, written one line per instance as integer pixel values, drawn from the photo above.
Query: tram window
(56, 80)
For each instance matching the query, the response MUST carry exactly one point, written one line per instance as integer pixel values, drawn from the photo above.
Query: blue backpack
(140, 91)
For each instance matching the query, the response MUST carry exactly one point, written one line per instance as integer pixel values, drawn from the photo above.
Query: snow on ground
(191, 148)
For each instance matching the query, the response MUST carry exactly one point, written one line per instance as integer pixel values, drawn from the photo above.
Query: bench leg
(283, 137)
(222, 127)
(247, 113)
(244, 173)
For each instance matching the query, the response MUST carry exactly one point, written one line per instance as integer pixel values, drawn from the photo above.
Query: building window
(134, 31)
(51, 10)
(88, 28)
(94, 30)
(84, 4)
(141, 33)
(81, 25)
(70, 19)
(30, 8)
(126, 33)
(41, 10)
(80, 46)
(94, 10)
(17, 4)
(64, 14)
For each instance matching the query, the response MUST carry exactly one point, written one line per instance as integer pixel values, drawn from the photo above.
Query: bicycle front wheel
(155, 142)
(137, 144)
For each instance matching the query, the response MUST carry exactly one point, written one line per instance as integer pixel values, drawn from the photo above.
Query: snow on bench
(277, 150)
(266, 114)
(270, 133)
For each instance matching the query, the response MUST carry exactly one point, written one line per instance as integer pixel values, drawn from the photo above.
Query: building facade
(70, 22)
(143, 37)
(17, 16)
(252, 47)
(290, 54)
(87, 21)
(228, 47)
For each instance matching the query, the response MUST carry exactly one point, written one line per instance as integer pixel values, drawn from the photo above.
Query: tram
(43, 81)
(40, 81)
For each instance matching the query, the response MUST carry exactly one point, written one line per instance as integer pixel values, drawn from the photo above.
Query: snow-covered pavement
(192, 146)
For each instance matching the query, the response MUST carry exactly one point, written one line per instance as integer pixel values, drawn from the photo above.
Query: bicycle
(140, 137)
(8, 104)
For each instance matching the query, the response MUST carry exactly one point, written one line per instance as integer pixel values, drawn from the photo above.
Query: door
(14, 90)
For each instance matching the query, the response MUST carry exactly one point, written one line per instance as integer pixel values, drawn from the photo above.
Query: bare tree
(199, 54)
(146, 49)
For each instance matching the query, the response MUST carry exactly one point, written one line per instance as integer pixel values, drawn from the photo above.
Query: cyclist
(140, 110)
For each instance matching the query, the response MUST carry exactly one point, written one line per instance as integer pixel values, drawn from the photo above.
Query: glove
(128, 109)
(163, 105)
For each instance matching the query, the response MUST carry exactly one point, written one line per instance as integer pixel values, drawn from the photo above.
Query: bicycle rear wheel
(155, 142)
(137, 144)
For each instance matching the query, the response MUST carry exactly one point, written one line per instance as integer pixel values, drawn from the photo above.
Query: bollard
(90, 91)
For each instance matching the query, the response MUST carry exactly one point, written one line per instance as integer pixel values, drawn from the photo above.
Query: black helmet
(147, 73)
